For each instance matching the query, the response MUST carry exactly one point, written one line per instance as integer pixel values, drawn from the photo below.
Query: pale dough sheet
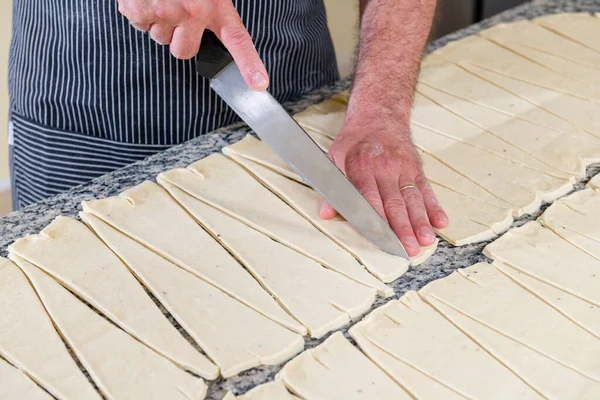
(443, 75)
(430, 115)
(476, 50)
(326, 118)
(416, 335)
(225, 185)
(321, 299)
(582, 28)
(594, 183)
(267, 391)
(337, 370)
(567, 153)
(122, 367)
(235, 336)
(482, 293)
(15, 385)
(539, 252)
(29, 341)
(71, 253)
(149, 215)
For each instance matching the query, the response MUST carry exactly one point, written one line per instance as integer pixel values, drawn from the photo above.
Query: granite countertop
(447, 258)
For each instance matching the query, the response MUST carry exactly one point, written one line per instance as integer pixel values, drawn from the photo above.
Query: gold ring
(410, 185)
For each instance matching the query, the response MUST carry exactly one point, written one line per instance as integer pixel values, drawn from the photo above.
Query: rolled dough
(29, 341)
(417, 335)
(122, 367)
(234, 335)
(225, 185)
(483, 294)
(71, 253)
(149, 215)
(326, 118)
(582, 28)
(321, 299)
(540, 253)
(336, 370)
(15, 385)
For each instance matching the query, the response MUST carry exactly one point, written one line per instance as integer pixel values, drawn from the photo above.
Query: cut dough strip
(149, 215)
(444, 363)
(321, 299)
(582, 28)
(67, 250)
(15, 385)
(234, 335)
(29, 341)
(326, 118)
(223, 184)
(122, 367)
(337, 370)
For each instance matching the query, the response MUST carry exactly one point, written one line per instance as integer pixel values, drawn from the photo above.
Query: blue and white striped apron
(90, 94)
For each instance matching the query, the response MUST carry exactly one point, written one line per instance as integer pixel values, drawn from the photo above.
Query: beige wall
(343, 24)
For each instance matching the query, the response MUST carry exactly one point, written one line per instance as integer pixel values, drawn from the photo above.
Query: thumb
(326, 211)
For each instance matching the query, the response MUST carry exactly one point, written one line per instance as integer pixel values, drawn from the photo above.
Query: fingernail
(323, 207)
(426, 233)
(258, 81)
(411, 242)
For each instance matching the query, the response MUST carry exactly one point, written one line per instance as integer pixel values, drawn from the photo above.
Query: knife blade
(269, 120)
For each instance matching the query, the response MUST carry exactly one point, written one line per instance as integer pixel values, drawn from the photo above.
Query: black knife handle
(212, 56)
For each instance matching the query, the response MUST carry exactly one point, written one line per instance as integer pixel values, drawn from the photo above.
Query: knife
(261, 112)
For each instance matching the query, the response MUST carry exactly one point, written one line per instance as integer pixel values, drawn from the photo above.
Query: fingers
(417, 215)
(397, 214)
(437, 217)
(162, 34)
(186, 41)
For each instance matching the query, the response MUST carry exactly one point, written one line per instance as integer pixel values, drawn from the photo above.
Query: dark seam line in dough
(317, 359)
(462, 273)
(510, 207)
(570, 207)
(539, 296)
(391, 319)
(488, 351)
(4, 358)
(259, 161)
(565, 35)
(514, 339)
(573, 244)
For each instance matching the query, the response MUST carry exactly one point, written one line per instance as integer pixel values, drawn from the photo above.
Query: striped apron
(90, 94)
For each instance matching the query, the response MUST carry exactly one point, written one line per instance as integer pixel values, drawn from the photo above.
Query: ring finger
(162, 34)
(417, 213)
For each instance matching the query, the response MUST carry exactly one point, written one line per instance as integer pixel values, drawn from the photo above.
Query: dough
(594, 183)
(451, 79)
(71, 253)
(511, 182)
(421, 339)
(483, 294)
(336, 370)
(225, 185)
(532, 35)
(432, 116)
(234, 335)
(15, 385)
(29, 341)
(122, 367)
(149, 215)
(307, 202)
(582, 28)
(321, 299)
(267, 391)
(326, 118)
(540, 253)
(581, 312)
(567, 153)
(475, 50)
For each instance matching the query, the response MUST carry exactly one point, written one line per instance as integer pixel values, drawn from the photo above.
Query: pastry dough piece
(418, 336)
(594, 183)
(267, 391)
(432, 116)
(540, 253)
(222, 183)
(471, 221)
(549, 378)
(97, 275)
(336, 370)
(29, 341)
(532, 35)
(511, 182)
(326, 118)
(581, 112)
(122, 367)
(307, 202)
(449, 78)
(482, 293)
(149, 215)
(481, 52)
(15, 385)
(234, 335)
(567, 153)
(321, 299)
(584, 314)
(582, 28)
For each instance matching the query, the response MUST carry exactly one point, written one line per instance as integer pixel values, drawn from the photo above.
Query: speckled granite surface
(448, 258)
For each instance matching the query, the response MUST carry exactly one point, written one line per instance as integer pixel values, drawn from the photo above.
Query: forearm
(393, 34)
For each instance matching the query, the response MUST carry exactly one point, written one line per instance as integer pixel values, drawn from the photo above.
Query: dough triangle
(15, 385)
(582, 28)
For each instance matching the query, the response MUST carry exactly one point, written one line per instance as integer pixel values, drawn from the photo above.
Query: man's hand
(380, 162)
(181, 23)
